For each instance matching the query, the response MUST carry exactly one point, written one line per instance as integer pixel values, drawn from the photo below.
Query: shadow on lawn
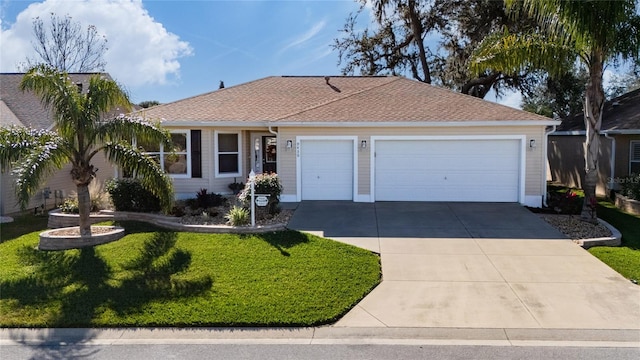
(79, 281)
(283, 240)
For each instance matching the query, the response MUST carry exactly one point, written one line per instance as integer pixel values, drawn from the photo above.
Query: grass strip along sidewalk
(153, 277)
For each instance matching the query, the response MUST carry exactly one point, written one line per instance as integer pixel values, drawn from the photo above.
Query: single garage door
(326, 169)
(447, 170)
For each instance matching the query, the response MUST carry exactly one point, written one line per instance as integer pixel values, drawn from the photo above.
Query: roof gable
(25, 105)
(317, 99)
(621, 113)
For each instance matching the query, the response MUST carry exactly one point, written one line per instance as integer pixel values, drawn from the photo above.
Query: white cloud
(141, 51)
(300, 40)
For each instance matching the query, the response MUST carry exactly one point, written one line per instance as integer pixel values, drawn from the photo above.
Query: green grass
(626, 258)
(153, 277)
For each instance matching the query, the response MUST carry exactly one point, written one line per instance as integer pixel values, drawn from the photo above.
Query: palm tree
(596, 33)
(80, 133)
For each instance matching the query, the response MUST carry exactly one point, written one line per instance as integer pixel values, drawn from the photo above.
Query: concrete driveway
(473, 265)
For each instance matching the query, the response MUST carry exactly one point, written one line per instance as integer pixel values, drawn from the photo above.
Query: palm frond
(141, 166)
(105, 95)
(585, 25)
(126, 128)
(512, 53)
(58, 93)
(17, 142)
(35, 166)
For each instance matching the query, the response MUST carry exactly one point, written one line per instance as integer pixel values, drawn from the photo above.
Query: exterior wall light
(289, 144)
(532, 143)
(363, 144)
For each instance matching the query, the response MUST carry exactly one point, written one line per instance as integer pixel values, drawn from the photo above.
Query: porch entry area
(264, 152)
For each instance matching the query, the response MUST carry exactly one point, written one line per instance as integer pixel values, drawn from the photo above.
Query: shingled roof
(619, 114)
(26, 106)
(317, 99)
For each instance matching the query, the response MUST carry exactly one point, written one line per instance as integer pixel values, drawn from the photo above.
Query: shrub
(206, 200)
(237, 216)
(70, 206)
(129, 195)
(264, 184)
(631, 187)
(565, 202)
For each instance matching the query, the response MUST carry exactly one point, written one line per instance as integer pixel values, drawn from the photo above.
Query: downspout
(273, 132)
(612, 161)
(546, 162)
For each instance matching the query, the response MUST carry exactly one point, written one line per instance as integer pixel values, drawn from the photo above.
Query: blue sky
(208, 41)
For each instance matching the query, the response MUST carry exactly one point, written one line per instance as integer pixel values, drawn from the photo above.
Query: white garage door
(447, 170)
(326, 169)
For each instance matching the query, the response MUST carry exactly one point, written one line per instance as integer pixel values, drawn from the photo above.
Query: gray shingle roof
(26, 106)
(621, 113)
(310, 99)
(7, 117)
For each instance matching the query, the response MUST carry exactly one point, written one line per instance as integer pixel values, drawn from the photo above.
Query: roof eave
(366, 124)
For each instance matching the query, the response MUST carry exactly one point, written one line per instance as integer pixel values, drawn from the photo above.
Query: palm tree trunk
(84, 207)
(593, 105)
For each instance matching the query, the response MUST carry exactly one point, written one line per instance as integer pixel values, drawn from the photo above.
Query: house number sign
(262, 200)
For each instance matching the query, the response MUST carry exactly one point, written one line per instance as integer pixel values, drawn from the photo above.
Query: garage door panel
(447, 170)
(326, 169)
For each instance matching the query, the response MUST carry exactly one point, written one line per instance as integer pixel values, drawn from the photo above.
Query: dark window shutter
(196, 154)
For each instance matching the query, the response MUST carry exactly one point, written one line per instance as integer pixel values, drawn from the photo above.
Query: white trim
(162, 153)
(521, 138)
(353, 139)
(217, 173)
(603, 132)
(289, 198)
(363, 198)
(367, 124)
(533, 201)
(568, 133)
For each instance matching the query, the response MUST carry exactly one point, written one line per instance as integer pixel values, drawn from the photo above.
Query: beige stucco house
(18, 108)
(363, 139)
(619, 153)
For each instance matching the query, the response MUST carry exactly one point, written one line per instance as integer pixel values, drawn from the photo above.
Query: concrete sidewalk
(473, 265)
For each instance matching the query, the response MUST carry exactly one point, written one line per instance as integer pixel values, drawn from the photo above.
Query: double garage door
(415, 170)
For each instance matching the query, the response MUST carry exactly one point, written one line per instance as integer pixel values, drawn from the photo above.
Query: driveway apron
(473, 265)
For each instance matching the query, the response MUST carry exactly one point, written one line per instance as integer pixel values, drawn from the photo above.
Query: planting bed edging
(629, 205)
(65, 242)
(58, 219)
(614, 240)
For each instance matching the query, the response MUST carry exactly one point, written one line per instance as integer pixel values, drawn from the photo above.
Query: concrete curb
(614, 240)
(322, 335)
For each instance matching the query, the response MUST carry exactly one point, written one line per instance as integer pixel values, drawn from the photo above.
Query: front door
(269, 154)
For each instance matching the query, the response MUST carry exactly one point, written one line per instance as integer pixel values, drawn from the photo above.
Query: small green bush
(631, 187)
(264, 184)
(70, 206)
(237, 216)
(129, 195)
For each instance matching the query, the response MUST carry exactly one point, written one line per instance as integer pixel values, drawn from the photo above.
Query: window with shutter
(634, 157)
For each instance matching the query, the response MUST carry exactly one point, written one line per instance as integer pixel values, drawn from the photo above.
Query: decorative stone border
(58, 220)
(614, 240)
(50, 241)
(629, 205)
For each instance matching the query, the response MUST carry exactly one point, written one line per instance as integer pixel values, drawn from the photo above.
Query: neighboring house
(619, 153)
(364, 139)
(18, 108)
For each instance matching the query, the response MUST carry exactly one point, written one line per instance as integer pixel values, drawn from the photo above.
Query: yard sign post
(252, 178)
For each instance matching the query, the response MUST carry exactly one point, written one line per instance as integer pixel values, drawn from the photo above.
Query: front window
(176, 162)
(227, 153)
(634, 157)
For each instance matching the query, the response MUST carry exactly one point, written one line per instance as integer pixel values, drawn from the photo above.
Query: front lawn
(626, 258)
(154, 277)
